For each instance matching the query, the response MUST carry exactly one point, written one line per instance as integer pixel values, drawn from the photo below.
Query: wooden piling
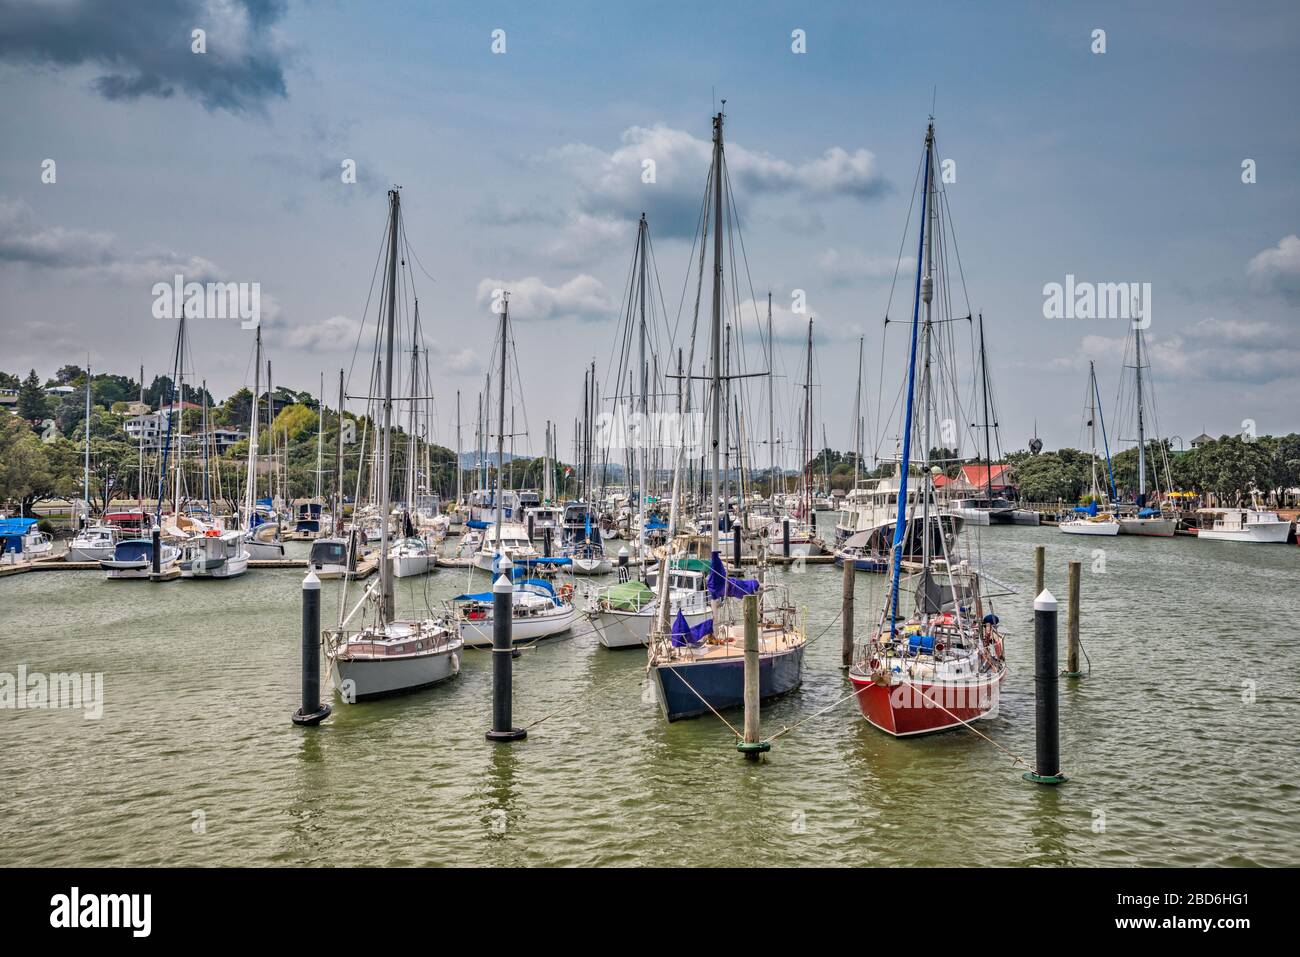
(1072, 669)
(1040, 561)
(846, 613)
(751, 747)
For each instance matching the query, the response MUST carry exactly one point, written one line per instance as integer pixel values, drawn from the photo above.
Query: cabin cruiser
(94, 543)
(1254, 526)
(215, 555)
(329, 558)
(514, 542)
(21, 540)
(310, 519)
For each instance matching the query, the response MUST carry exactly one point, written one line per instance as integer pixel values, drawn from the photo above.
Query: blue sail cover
(476, 523)
(720, 586)
(684, 634)
(1148, 512)
(655, 524)
(1089, 509)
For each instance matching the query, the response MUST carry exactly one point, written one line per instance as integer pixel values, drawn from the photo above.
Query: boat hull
(628, 629)
(408, 566)
(722, 682)
(358, 679)
(1153, 527)
(89, 553)
(225, 568)
(1089, 528)
(264, 551)
(1261, 534)
(478, 633)
(910, 709)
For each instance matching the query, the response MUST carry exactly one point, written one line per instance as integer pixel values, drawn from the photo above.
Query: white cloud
(582, 297)
(90, 254)
(1277, 270)
(335, 334)
(611, 183)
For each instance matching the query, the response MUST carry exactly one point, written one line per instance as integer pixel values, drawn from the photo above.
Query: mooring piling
(546, 541)
(751, 747)
(1047, 725)
(785, 538)
(624, 572)
(503, 602)
(1072, 669)
(846, 613)
(530, 526)
(312, 711)
(1040, 561)
(735, 544)
(155, 562)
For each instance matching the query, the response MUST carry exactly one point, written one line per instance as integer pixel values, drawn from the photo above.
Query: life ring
(566, 592)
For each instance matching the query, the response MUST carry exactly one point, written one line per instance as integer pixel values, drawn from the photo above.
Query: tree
(67, 375)
(31, 470)
(32, 400)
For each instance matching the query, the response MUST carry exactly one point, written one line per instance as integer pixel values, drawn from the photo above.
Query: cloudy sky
(523, 169)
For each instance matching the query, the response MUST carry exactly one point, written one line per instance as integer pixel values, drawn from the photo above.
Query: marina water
(1176, 746)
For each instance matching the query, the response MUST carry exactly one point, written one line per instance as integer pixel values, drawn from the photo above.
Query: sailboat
(941, 665)
(94, 542)
(803, 534)
(1091, 519)
(261, 528)
(1142, 518)
(989, 509)
(701, 669)
(387, 654)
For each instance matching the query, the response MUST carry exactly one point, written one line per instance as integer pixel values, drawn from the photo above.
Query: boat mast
(1142, 438)
(988, 453)
(857, 420)
(338, 465)
(900, 522)
(207, 438)
(927, 293)
(386, 604)
(805, 467)
(139, 477)
(771, 408)
(459, 477)
(501, 419)
(251, 483)
(320, 436)
(715, 385)
(643, 452)
(1092, 426)
(85, 475)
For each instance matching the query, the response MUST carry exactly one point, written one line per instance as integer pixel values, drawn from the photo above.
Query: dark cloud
(144, 46)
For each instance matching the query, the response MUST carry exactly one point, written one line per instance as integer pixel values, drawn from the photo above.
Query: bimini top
(536, 583)
(16, 526)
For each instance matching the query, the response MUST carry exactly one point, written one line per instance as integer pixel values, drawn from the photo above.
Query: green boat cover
(629, 596)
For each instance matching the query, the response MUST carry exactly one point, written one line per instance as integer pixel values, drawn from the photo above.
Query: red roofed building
(975, 479)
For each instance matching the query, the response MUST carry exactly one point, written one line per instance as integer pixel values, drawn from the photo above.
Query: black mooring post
(785, 538)
(155, 563)
(735, 546)
(312, 710)
(546, 541)
(1047, 726)
(503, 602)
(530, 526)
(624, 574)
